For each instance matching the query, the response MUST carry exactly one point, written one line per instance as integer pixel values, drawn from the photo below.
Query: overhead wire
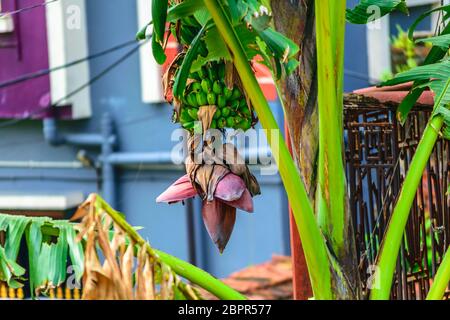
(77, 90)
(35, 6)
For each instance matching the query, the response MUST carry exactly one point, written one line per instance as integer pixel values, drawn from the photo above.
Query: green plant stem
(441, 280)
(312, 240)
(391, 243)
(200, 277)
(331, 187)
(180, 267)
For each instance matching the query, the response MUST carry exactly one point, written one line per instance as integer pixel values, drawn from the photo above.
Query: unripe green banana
(221, 71)
(245, 124)
(193, 113)
(192, 100)
(196, 86)
(188, 125)
(221, 101)
(201, 98)
(227, 93)
(236, 94)
(213, 124)
(234, 105)
(217, 87)
(237, 119)
(230, 122)
(217, 114)
(245, 111)
(221, 123)
(185, 117)
(226, 112)
(206, 85)
(211, 97)
(212, 73)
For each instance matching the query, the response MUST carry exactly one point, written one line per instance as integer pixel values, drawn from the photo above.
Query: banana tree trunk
(296, 19)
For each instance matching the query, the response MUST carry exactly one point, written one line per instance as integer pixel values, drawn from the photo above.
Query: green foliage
(403, 43)
(436, 54)
(446, 15)
(159, 17)
(183, 73)
(438, 72)
(442, 41)
(184, 9)
(49, 243)
(370, 10)
(252, 21)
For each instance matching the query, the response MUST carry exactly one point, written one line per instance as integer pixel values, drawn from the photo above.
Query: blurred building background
(111, 132)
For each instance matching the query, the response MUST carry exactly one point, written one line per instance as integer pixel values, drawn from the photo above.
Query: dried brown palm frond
(119, 264)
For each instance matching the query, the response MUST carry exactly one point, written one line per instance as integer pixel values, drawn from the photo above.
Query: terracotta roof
(267, 281)
(395, 94)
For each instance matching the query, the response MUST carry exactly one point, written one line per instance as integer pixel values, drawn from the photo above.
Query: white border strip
(40, 202)
(150, 70)
(67, 41)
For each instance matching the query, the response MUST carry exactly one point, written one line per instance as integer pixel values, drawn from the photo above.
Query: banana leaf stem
(180, 267)
(441, 280)
(391, 243)
(312, 240)
(331, 186)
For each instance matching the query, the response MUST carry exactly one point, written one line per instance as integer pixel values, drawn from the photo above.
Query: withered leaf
(205, 116)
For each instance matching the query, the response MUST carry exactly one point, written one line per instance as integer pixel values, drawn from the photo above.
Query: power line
(43, 72)
(77, 90)
(10, 13)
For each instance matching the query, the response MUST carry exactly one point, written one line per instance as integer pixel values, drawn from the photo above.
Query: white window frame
(378, 41)
(41, 202)
(151, 71)
(67, 43)
(6, 22)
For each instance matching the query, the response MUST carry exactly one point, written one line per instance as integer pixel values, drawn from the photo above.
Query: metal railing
(378, 153)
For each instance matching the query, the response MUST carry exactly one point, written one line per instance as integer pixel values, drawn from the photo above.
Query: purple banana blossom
(219, 215)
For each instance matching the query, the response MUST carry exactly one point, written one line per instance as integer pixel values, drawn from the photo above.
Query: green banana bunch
(209, 88)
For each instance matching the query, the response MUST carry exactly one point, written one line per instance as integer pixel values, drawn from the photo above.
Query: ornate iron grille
(378, 153)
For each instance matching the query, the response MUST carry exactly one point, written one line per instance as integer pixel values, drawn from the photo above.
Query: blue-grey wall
(356, 63)
(143, 128)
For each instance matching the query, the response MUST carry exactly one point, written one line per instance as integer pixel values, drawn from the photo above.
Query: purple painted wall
(21, 52)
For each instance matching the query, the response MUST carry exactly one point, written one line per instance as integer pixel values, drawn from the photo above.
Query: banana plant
(103, 232)
(239, 31)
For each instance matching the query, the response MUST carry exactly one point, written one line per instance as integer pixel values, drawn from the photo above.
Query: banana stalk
(441, 280)
(313, 242)
(387, 257)
(182, 268)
